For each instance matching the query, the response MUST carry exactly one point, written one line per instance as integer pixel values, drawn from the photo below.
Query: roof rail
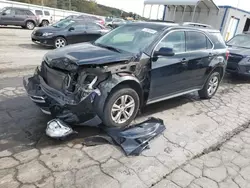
(164, 21)
(196, 24)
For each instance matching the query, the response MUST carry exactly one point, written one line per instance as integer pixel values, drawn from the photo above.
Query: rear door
(20, 17)
(93, 32)
(76, 33)
(199, 50)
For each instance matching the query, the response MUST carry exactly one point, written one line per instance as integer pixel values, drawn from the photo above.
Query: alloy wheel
(30, 25)
(213, 85)
(59, 43)
(122, 109)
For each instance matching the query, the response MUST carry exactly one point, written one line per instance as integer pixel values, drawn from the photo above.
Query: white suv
(44, 17)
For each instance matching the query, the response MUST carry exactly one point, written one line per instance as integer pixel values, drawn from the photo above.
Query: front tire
(121, 107)
(211, 86)
(60, 42)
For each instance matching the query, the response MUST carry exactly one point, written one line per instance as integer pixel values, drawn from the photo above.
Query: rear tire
(45, 23)
(211, 86)
(30, 25)
(118, 113)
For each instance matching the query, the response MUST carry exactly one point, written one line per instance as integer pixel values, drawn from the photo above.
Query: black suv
(239, 57)
(18, 17)
(132, 66)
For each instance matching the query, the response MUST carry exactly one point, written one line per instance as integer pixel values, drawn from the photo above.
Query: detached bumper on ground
(59, 105)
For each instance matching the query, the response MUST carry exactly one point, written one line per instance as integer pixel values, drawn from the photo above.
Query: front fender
(110, 84)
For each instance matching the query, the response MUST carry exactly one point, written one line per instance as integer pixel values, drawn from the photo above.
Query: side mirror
(71, 28)
(3, 13)
(164, 52)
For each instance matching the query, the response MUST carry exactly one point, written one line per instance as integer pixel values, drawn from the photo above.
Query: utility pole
(238, 4)
(69, 4)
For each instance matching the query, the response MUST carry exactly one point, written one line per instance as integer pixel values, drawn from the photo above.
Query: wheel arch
(110, 85)
(29, 20)
(219, 69)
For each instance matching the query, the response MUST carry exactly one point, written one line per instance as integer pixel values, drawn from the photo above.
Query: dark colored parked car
(18, 17)
(67, 32)
(239, 57)
(121, 72)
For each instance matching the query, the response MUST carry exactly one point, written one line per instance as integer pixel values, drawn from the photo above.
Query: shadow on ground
(34, 47)
(11, 27)
(23, 125)
(236, 79)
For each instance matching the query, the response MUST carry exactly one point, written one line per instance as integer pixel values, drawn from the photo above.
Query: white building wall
(242, 16)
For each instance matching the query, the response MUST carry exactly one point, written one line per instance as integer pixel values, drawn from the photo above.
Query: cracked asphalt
(206, 143)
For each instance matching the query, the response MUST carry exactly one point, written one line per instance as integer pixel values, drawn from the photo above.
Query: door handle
(184, 61)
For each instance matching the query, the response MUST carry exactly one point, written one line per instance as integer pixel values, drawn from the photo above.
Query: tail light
(102, 22)
(227, 55)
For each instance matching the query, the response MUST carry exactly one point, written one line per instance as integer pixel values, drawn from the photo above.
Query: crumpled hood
(87, 54)
(239, 51)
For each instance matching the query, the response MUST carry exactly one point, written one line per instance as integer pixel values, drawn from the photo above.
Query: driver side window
(9, 12)
(175, 41)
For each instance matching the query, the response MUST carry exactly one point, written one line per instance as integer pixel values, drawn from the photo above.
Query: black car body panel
(81, 77)
(239, 57)
(236, 55)
(88, 54)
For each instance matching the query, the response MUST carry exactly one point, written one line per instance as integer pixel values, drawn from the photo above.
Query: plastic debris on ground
(133, 140)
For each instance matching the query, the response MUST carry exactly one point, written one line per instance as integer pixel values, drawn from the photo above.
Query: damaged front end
(76, 94)
(65, 94)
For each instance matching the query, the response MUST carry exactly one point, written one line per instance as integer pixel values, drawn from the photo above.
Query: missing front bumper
(59, 105)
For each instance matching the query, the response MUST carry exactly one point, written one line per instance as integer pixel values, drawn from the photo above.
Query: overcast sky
(137, 5)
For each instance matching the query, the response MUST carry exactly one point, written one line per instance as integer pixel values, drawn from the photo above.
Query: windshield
(2, 10)
(63, 23)
(130, 38)
(240, 41)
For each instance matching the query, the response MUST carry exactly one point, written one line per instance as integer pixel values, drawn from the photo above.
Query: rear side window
(79, 27)
(20, 12)
(29, 13)
(92, 26)
(196, 41)
(39, 12)
(46, 13)
(218, 40)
